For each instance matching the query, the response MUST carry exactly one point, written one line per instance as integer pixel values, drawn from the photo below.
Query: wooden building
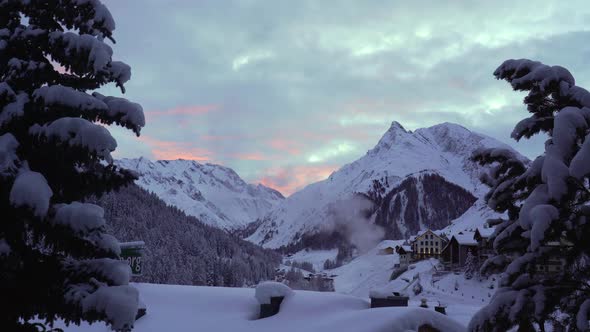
(406, 255)
(387, 250)
(454, 254)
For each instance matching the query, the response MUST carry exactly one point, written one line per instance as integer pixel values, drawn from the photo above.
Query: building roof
(403, 249)
(465, 238)
(485, 232)
(388, 244)
(438, 233)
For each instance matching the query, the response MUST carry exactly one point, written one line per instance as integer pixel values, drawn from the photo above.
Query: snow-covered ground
(316, 257)
(475, 217)
(191, 308)
(371, 273)
(462, 303)
(365, 272)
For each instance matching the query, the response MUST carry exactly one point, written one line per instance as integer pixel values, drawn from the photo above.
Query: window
(436, 250)
(436, 243)
(421, 250)
(421, 243)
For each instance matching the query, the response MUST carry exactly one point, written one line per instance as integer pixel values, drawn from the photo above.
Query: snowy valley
(437, 229)
(404, 196)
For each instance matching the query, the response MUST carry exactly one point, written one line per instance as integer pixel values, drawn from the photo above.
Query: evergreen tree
(547, 206)
(471, 265)
(57, 260)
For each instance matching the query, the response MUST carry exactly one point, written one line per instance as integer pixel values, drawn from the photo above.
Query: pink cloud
(170, 150)
(290, 179)
(250, 156)
(291, 147)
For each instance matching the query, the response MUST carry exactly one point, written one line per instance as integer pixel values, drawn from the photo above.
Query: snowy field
(191, 308)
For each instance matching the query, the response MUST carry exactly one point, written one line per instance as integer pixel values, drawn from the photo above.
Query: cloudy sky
(285, 92)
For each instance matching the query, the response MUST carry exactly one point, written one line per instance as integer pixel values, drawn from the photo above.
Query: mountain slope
(442, 150)
(180, 249)
(421, 201)
(214, 194)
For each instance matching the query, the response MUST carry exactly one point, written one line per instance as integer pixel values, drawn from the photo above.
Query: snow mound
(190, 308)
(4, 247)
(118, 303)
(266, 290)
(80, 217)
(79, 132)
(63, 96)
(30, 189)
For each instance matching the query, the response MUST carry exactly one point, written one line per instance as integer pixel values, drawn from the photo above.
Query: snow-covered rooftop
(486, 232)
(387, 244)
(466, 238)
(407, 248)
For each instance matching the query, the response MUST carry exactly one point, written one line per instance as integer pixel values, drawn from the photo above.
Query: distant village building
(485, 247)
(388, 250)
(428, 244)
(455, 252)
(321, 282)
(406, 255)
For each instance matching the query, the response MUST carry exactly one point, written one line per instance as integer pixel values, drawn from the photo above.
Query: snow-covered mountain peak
(392, 136)
(454, 138)
(443, 150)
(213, 193)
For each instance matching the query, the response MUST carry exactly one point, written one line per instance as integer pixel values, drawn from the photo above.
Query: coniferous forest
(179, 248)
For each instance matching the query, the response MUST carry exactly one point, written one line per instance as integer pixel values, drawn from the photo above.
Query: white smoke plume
(351, 217)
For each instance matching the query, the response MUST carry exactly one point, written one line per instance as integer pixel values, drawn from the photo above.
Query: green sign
(132, 252)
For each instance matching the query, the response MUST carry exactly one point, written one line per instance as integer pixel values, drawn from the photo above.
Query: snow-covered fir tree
(547, 206)
(57, 260)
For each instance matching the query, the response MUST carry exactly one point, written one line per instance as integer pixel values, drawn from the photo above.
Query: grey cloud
(421, 63)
